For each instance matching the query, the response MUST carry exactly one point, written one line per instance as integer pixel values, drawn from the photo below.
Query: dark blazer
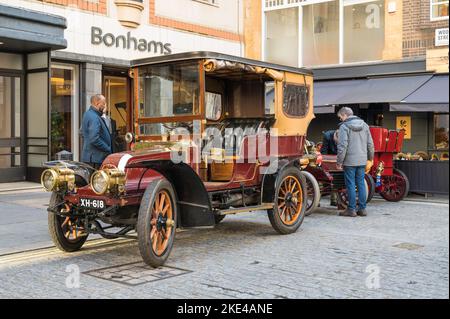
(97, 143)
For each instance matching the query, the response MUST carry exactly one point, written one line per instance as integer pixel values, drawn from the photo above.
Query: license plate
(92, 203)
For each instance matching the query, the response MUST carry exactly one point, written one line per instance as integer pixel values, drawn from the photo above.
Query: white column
(341, 31)
(263, 32)
(300, 36)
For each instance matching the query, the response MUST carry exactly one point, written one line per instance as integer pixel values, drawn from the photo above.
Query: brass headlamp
(57, 178)
(108, 180)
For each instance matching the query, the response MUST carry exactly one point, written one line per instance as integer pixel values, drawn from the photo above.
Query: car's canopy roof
(197, 55)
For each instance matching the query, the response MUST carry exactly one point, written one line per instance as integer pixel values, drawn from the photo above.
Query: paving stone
(243, 257)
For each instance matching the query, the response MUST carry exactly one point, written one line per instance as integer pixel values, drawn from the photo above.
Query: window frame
(433, 146)
(174, 118)
(221, 106)
(439, 2)
(308, 88)
(267, 6)
(214, 3)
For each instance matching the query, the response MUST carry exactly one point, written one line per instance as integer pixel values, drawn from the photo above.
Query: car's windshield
(169, 90)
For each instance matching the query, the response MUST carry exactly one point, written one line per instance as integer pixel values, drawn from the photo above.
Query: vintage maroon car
(383, 178)
(214, 135)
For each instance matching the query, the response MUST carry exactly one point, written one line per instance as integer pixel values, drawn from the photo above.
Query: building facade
(387, 59)
(99, 39)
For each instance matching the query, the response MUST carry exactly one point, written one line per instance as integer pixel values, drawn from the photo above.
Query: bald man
(97, 143)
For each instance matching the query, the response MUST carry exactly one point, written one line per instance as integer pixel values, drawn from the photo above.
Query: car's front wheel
(66, 232)
(157, 222)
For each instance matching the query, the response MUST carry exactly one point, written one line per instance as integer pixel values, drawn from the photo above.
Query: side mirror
(129, 137)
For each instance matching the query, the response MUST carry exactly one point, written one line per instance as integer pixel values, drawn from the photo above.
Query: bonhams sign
(128, 42)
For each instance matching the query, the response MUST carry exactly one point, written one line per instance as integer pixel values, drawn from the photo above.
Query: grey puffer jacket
(355, 145)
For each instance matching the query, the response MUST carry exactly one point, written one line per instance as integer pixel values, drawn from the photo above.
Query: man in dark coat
(329, 143)
(97, 142)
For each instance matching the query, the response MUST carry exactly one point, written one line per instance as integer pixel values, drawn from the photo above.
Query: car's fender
(269, 181)
(193, 199)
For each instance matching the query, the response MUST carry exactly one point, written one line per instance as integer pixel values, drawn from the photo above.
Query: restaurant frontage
(386, 59)
(395, 95)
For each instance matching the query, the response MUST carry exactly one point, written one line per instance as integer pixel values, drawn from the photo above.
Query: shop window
(439, 10)
(282, 36)
(213, 102)
(64, 109)
(321, 34)
(441, 127)
(364, 30)
(295, 100)
(169, 90)
(269, 100)
(210, 2)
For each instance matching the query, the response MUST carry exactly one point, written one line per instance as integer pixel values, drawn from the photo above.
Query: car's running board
(245, 209)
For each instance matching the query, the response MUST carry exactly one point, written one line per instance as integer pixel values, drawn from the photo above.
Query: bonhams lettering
(128, 42)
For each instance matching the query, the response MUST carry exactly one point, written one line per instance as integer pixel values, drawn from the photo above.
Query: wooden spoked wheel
(161, 222)
(70, 229)
(66, 232)
(290, 200)
(157, 222)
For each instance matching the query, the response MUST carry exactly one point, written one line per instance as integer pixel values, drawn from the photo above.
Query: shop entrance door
(116, 91)
(12, 147)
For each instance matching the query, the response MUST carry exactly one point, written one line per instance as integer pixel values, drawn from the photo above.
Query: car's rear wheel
(342, 196)
(66, 232)
(157, 223)
(313, 198)
(371, 187)
(290, 201)
(395, 187)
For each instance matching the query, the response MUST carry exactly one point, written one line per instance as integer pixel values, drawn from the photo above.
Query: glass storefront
(441, 128)
(282, 36)
(322, 32)
(64, 110)
(10, 122)
(363, 31)
(115, 89)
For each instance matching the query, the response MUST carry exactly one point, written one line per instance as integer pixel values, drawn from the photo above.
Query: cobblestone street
(399, 251)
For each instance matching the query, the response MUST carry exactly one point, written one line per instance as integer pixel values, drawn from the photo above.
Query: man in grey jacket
(355, 151)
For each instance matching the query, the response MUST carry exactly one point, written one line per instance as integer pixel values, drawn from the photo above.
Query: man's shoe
(362, 213)
(348, 213)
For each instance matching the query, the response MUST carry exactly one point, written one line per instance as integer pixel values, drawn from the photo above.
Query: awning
(383, 89)
(23, 30)
(324, 109)
(432, 96)
(327, 93)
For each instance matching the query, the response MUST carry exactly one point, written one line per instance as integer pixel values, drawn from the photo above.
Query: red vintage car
(214, 135)
(383, 178)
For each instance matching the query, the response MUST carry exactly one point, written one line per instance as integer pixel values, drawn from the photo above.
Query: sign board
(441, 37)
(404, 123)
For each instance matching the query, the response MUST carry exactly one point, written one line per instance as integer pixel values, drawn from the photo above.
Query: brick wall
(98, 6)
(418, 30)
